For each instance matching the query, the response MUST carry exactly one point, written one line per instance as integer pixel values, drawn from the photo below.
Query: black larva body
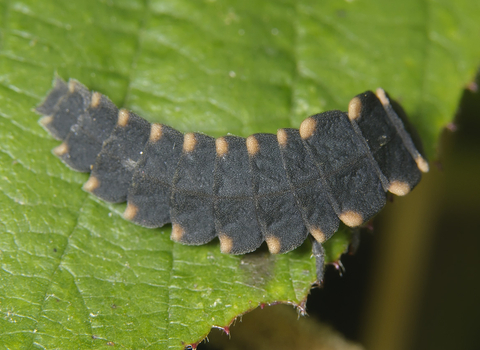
(275, 188)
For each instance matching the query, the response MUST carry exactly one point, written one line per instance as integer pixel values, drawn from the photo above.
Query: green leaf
(73, 273)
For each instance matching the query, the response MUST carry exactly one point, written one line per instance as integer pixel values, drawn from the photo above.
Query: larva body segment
(150, 189)
(352, 185)
(116, 162)
(48, 106)
(397, 165)
(279, 217)
(86, 137)
(66, 111)
(308, 187)
(191, 202)
(273, 188)
(234, 204)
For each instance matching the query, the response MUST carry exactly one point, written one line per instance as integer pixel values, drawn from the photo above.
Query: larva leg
(354, 241)
(319, 254)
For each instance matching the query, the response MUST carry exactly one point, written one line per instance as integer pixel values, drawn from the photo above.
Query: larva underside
(275, 188)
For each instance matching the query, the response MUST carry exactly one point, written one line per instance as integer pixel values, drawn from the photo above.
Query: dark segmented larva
(275, 188)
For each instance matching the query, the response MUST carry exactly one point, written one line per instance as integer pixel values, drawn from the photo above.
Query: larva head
(409, 134)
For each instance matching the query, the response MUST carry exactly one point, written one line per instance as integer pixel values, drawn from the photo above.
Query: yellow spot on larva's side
(60, 150)
(226, 243)
(354, 108)
(252, 145)
(72, 85)
(318, 235)
(422, 164)
(221, 146)
(273, 244)
(123, 116)
(382, 96)
(92, 184)
(177, 233)
(351, 218)
(307, 128)
(282, 137)
(189, 142)
(96, 98)
(155, 132)
(130, 212)
(46, 120)
(399, 188)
